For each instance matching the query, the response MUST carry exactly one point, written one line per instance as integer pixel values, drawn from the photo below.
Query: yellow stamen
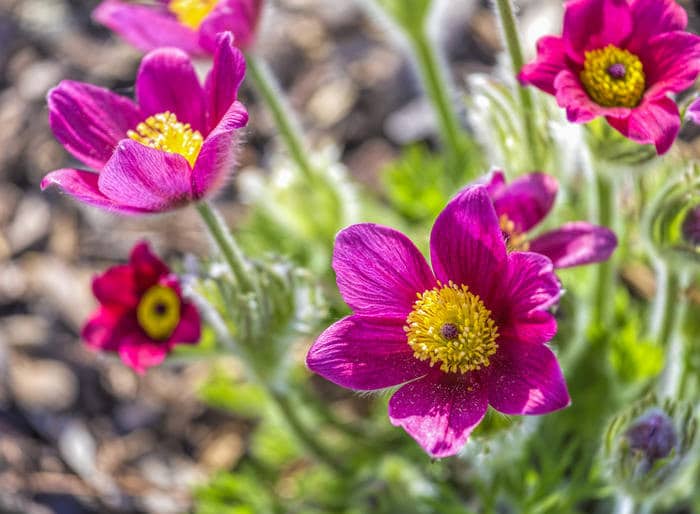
(613, 77)
(451, 326)
(164, 132)
(516, 241)
(191, 12)
(158, 312)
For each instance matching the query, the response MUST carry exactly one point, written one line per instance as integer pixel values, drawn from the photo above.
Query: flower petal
(551, 59)
(575, 244)
(494, 182)
(146, 27)
(140, 353)
(106, 328)
(167, 81)
(526, 379)
(379, 271)
(365, 354)
(438, 412)
(653, 17)
(140, 177)
(579, 107)
(654, 122)
(237, 16)
(116, 286)
(466, 243)
(693, 112)
(590, 24)
(189, 330)
(147, 267)
(530, 288)
(671, 63)
(217, 157)
(224, 79)
(89, 121)
(526, 200)
(83, 186)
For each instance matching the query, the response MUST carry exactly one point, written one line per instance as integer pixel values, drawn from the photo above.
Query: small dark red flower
(142, 314)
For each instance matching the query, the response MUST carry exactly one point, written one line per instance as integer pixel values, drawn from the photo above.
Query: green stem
(267, 87)
(624, 504)
(436, 86)
(304, 436)
(227, 245)
(669, 312)
(666, 307)
(509, 29)
(604, 290)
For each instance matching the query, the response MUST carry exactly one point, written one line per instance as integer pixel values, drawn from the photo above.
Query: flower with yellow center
(613, 77)
(451, 326)
(158, 312)
(191, 12)
(516, 241)
(163, 131)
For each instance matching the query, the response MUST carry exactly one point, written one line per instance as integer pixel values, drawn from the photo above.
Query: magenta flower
(142, 314)
(191, 25)
(174, 146)
(620, 59)
(525, 202)
(467, 334)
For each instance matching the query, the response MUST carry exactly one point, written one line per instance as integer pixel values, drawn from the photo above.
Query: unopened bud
(691, 226)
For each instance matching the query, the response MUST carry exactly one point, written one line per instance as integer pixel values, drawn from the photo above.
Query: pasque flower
(191, 25)
(174, 145)
(525, 202)
(620, 59)
(142, 313)
(466, 334)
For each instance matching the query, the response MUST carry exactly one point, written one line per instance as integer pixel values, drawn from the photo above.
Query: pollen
(191, 12)
(158, 312)
(516, 241)
(451, 327)
(613, 77)
(163, 131)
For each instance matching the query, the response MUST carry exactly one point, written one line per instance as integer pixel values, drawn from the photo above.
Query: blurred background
(79, 432)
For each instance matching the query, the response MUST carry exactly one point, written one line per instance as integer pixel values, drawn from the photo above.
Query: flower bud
(691, 226)
(646, 446)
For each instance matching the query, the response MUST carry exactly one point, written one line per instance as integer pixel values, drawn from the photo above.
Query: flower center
(163, 131)
(158, 312)
(613, 77)
(191, 12)
(451, 326)
(516, 241)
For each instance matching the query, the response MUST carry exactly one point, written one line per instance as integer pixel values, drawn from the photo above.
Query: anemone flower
(173, 146)
(465, 335)
(191, 25)
(620, 59)
(525, 202)
(142, 313)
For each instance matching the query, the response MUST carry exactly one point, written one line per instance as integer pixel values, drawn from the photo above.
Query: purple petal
(530, 287)
(365, 354)
(654, 122)
(140, 353)
(218, 154)
(526, 200)
(575, 244)
(379, 271)
(572, 96)
(439, 412)
(226, 76)
(237, 16)
(494, 182)
(189, 330)
(167, 81)
(526, 379)
(89, 121)
(466, 244)
(693, 111)
(591, 24)
(116, 286)
(671, 63)
(140, 177)
(83, 186)
(551, 59)
(146, 27)
(653, 17)
(149, 269)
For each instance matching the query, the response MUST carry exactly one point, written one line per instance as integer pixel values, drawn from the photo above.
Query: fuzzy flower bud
(691, 226)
